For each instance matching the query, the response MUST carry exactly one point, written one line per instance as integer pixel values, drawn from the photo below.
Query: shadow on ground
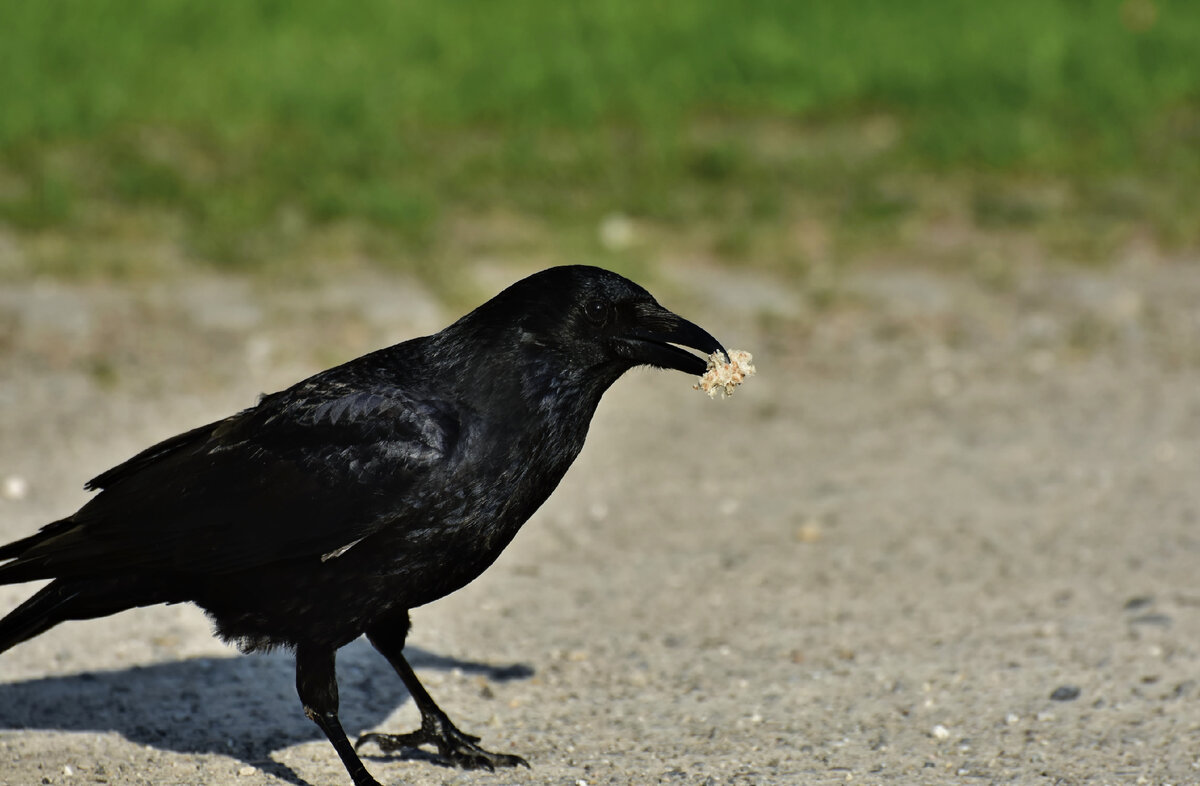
(244, 706)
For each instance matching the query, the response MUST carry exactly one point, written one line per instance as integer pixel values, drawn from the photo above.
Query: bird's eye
(596, 311)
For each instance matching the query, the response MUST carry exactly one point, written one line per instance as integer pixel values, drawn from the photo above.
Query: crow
(330, 509)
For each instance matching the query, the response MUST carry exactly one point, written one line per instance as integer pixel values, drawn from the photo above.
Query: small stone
(940, 732)
(247, 770)
(1157, 620)
(14, 487)
(809, 531)
(1138, 602)
(1065, 693)
(1012, 718)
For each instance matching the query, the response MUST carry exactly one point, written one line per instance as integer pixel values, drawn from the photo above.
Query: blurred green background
(138, 139)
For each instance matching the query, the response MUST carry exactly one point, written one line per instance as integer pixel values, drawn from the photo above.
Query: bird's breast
(486, 499)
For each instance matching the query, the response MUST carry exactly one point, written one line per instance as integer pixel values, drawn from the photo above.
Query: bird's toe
(476, 758)
(455, 747)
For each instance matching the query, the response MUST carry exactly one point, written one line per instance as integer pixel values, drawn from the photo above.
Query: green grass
(244, 131)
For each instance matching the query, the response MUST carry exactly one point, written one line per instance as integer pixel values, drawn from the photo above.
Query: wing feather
(280, 481)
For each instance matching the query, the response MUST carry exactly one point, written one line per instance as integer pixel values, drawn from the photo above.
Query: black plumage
(333, 507)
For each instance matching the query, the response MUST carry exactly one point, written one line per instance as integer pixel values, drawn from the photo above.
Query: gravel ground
(947, 535)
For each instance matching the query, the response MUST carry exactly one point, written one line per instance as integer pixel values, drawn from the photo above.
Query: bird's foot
(456, 747)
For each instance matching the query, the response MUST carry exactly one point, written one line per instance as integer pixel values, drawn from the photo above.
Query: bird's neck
(562, 392)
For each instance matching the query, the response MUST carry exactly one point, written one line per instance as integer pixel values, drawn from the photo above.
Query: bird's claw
(456, 747)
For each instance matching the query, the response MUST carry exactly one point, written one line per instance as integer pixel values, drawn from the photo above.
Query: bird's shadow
(245, 707)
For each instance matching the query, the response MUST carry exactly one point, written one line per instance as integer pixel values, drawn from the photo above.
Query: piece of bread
(721, 377)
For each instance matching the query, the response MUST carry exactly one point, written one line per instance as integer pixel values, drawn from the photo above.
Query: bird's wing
(303, 474)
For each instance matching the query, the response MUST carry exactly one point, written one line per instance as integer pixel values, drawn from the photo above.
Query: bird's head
(591, 321)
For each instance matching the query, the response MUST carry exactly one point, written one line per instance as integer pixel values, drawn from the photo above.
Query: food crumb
(722, 377)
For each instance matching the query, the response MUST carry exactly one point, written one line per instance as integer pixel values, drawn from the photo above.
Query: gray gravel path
(947, 535)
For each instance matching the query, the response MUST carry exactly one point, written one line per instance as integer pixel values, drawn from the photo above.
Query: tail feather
(17, 570)
(14, 549)
(39, 614)
(20, 571)
(76, 599)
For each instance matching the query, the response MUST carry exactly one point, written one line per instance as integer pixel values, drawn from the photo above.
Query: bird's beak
(655, 331)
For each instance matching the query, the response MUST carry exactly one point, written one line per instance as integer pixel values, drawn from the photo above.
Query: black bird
(332, 508)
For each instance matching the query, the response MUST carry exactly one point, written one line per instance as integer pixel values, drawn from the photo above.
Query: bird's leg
(316, 682)
(457, 747)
